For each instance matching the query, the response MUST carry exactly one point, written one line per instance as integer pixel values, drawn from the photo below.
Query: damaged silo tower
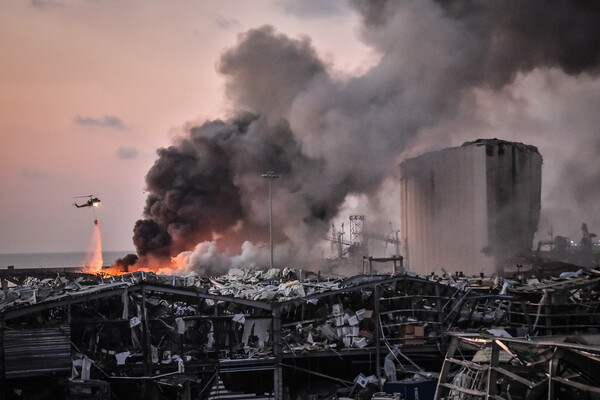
(471, 208)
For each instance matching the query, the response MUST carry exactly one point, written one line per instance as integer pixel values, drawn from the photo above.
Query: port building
(473, 208)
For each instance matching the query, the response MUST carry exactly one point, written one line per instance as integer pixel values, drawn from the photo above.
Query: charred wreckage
(290, 334)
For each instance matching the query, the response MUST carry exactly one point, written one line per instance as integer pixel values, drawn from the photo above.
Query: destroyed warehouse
(272, 333)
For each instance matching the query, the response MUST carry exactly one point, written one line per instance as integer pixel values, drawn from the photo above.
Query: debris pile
(508, 368)
(147, 334)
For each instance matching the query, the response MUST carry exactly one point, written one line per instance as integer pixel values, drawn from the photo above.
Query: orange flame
(181, 264)
(112, 270)
(147, 265)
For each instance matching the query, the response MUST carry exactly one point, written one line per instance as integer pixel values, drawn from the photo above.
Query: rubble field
(291, 334)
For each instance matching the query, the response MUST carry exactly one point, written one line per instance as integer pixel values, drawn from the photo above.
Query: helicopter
(92, 202)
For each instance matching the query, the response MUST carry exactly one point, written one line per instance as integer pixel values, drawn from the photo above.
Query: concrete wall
(470, 208)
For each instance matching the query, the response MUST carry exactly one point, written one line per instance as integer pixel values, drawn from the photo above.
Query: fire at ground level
(287, 334)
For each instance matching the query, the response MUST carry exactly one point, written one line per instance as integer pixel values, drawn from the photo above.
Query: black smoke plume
(123, 264)
(329, 138)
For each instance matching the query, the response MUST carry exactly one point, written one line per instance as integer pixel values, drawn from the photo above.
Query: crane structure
(357, 245)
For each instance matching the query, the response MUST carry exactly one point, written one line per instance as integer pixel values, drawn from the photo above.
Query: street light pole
(270, 176)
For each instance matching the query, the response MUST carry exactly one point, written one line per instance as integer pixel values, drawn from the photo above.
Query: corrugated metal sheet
(34, 352)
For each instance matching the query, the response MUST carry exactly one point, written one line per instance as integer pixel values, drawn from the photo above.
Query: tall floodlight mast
(270, 176)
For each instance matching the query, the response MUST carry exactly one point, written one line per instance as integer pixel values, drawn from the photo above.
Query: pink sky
(68, 66)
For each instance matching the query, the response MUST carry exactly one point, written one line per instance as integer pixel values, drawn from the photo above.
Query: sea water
(56, 259)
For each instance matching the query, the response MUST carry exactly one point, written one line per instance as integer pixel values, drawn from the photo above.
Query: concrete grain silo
(472, 208)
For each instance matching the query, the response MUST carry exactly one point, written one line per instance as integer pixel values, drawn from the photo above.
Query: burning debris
(142, 333)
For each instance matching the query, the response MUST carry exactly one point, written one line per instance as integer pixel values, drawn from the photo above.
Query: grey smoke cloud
(34, 174)
(313, 8)
(43, 4)
(127, 153)
(227, 23)
(266, 71)
(329, 138)
(107, 121)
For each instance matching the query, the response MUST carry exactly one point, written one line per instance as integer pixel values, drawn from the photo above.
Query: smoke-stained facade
(472, 208)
